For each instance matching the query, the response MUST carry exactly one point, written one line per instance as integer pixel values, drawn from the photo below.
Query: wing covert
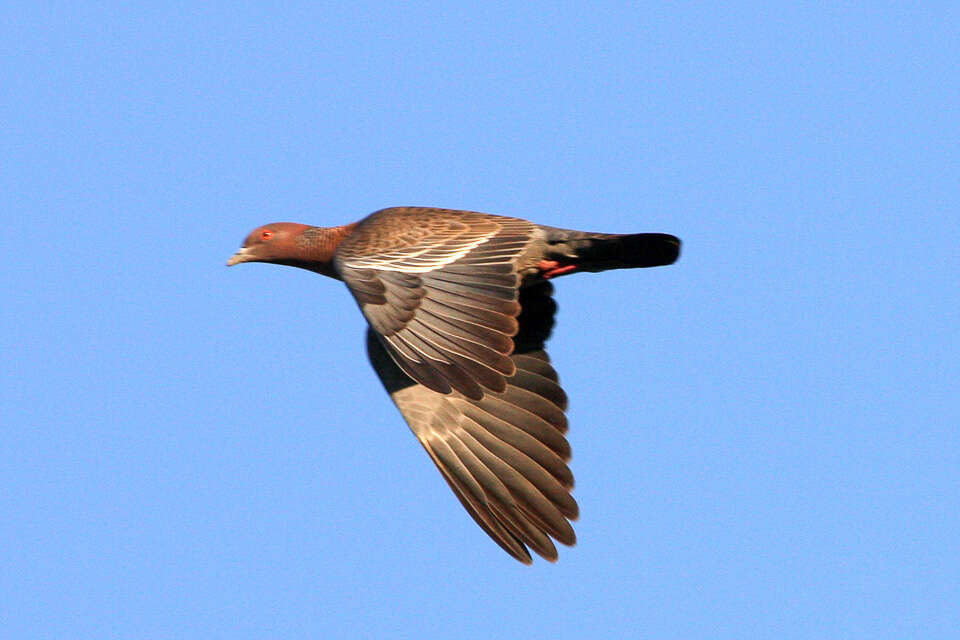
(440, 289)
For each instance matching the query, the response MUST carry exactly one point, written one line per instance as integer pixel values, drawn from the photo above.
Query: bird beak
(243, 255)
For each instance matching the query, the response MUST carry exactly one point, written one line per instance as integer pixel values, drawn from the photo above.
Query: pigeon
(459, 305)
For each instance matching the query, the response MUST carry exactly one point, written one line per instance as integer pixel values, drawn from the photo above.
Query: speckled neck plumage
(317, 245)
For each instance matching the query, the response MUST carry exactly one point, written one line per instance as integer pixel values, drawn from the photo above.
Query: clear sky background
(765, 434)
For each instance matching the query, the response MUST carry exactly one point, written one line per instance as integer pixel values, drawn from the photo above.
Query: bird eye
(266, 235)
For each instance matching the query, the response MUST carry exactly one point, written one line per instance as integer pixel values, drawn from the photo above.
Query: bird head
(276, 242)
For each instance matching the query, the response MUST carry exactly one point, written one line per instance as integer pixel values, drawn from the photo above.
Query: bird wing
(504, 455)
(440, 290)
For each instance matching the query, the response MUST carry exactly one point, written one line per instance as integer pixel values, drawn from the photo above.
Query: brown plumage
(459, 306)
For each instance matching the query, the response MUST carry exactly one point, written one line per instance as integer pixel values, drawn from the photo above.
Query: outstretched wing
(439, 288)
(504, 454)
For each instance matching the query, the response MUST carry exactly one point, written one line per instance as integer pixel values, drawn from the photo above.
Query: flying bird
(459, 307)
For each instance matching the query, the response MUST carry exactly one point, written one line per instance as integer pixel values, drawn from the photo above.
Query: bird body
(459, 306)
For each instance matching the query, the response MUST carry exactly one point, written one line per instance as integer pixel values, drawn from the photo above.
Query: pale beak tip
(238, 257)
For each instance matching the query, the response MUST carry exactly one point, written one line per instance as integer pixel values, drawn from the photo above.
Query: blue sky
(765, 434)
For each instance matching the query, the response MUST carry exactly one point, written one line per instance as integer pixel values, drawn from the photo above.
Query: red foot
(552, 268)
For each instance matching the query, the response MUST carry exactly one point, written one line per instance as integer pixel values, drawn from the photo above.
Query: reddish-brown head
(276, 242)
(293, 244)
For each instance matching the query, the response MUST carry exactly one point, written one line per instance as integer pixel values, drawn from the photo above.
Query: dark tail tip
(650, 249)
(628, 251)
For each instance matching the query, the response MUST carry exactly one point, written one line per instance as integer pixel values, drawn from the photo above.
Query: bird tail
(584, 251)
(627, 251)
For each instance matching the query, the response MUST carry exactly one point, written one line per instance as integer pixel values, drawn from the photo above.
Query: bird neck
(316, 247)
